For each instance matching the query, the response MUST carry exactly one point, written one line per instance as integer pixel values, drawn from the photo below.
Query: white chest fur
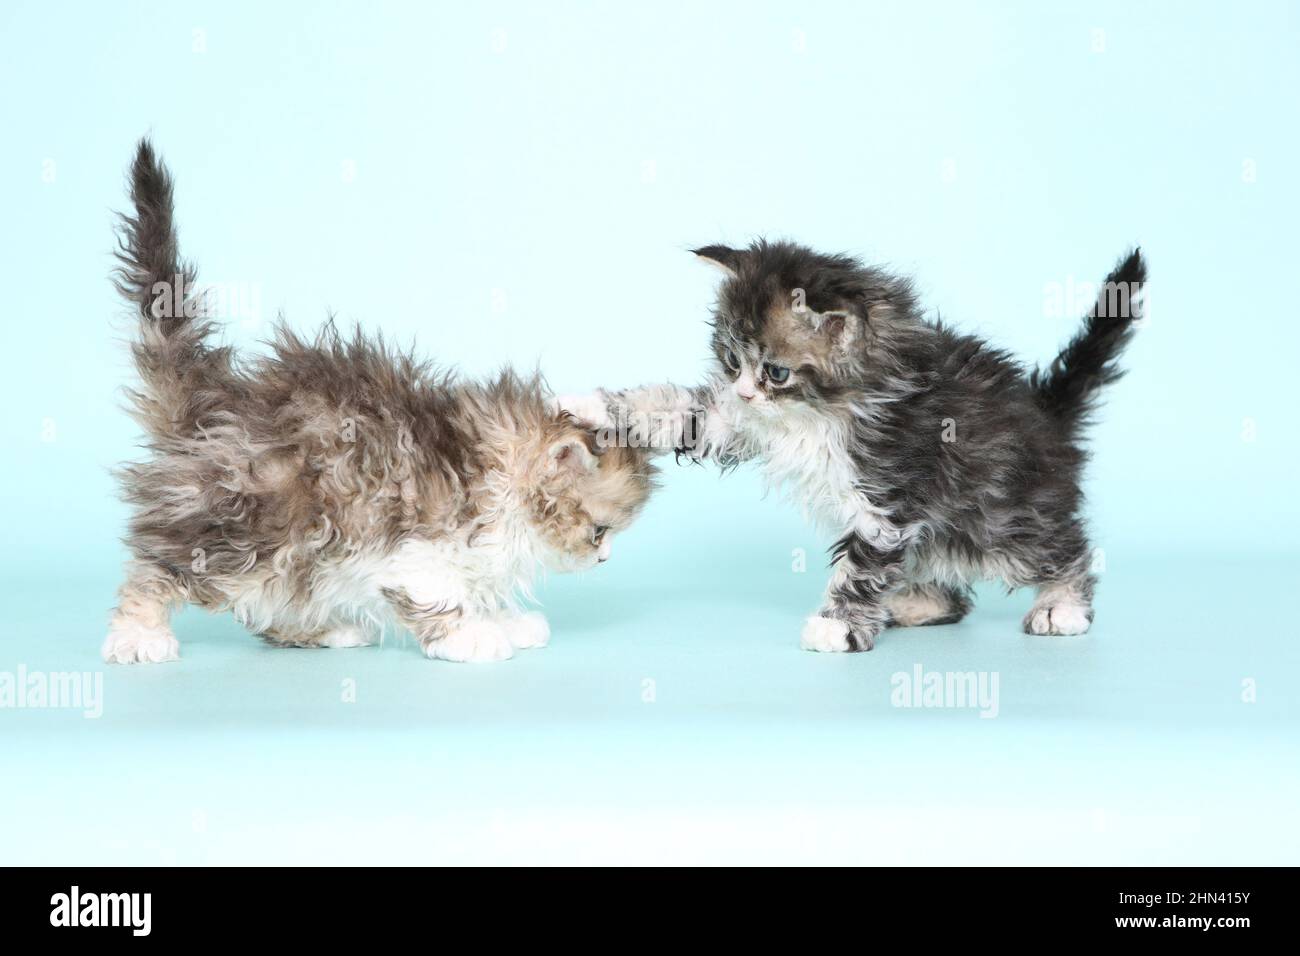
(805, 454)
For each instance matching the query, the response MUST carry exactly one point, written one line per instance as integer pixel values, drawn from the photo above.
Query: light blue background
(519, 183)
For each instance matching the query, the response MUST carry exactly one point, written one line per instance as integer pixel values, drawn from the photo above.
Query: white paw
(1062, 619)
(824, 634)
(132, 643)
(528, 630)
(345, 635)
(475, 641)
(591, 409)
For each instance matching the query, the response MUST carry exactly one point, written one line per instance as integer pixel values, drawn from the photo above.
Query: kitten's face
(772, 364)
(792, 327)
(587, 495)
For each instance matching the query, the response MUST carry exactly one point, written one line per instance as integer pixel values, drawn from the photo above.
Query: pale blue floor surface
(1130, 745)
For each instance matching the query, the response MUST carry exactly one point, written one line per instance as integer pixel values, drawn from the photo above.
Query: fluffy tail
(169, 350)
(1068, 387)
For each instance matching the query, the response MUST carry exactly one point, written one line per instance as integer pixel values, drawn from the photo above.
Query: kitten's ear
(573, 456)
(724, 257)
(841, 327)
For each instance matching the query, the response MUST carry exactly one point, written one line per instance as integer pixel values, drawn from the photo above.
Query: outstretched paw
(473, 641)
(1059, 619)
(831, 635)
(132, 643)
(528, 630)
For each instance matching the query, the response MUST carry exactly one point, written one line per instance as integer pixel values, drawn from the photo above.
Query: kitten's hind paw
(1065, 620)
(528, 630)
(831, 635)
(473, 641)
(132, 643)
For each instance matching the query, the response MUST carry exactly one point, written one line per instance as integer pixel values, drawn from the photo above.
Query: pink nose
(747, 396)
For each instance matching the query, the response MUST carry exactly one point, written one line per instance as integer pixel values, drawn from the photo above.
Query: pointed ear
(724, 257)
(841, 327)
(571, 455)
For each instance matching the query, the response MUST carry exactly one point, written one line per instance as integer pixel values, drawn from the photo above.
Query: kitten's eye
(777, 374)
(730, 360)
(598, 534)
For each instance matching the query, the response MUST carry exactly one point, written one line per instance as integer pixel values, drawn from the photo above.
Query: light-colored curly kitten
(330, 485)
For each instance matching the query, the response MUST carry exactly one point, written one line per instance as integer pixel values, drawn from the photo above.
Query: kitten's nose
(745, 385)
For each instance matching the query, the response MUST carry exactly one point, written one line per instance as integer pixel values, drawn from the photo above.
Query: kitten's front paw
(131, 643)
(473, 641)
(528, 630)
(831, 635)
(1065, 620)
(345, 635)
(592, 409)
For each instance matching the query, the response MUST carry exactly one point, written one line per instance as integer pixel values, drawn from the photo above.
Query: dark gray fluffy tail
(1068, 387)
(170, 353)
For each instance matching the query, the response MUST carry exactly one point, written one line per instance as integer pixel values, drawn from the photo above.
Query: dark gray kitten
(936, 458)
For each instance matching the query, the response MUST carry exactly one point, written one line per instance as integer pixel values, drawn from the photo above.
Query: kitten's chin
(740, 409)
(560, 563)
(754, 411)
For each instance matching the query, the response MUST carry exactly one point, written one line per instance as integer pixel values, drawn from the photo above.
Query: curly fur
(334, 482)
